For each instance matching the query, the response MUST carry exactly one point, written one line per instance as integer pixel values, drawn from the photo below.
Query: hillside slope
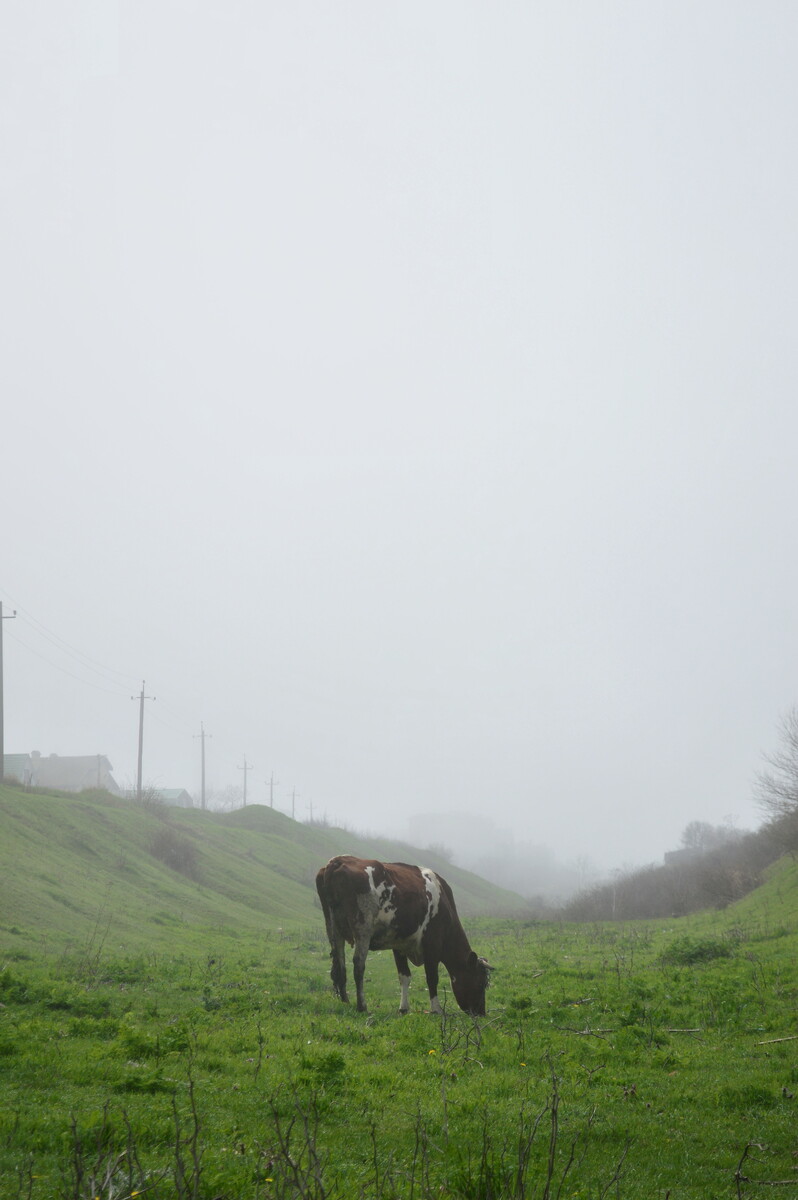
(770, 909)
(74, 869)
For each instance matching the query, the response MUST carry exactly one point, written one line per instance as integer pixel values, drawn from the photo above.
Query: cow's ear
(473, 959)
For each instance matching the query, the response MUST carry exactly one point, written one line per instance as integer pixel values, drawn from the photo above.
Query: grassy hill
(77, 868)
(769, 912)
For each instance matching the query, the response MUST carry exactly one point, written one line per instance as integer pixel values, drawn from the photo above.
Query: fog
(408, 395)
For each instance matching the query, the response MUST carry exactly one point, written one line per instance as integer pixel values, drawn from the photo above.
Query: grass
(204, 1056)
(608, 1065)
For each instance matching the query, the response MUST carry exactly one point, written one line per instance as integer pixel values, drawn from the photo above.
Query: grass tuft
(686, 951)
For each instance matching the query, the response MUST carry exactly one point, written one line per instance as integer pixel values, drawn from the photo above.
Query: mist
(408, 397)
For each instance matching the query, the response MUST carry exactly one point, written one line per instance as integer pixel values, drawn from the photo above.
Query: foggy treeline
(710, 875)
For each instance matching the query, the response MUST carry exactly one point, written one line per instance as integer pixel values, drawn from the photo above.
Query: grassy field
(199, 1054)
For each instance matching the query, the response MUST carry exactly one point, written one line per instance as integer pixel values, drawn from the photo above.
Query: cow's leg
(338, 956)
(403, 968)
(359, 968)
(431, 972)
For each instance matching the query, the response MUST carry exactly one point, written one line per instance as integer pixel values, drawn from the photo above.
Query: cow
(410, 910)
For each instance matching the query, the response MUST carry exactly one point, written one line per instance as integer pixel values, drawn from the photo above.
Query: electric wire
(66, 647)
(86, 682)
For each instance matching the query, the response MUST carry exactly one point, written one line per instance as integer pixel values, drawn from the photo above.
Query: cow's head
(469, 985)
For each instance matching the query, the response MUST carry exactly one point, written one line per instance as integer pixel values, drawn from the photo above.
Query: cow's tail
(338, 970)
(321, 888)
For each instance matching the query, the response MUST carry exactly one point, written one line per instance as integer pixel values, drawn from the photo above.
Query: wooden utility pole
(202, 735)
(246, 769)
(3, 617)
(293, 804)
(272, 782)
(141, 698)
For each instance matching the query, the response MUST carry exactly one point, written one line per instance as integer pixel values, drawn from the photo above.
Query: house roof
(68, 773)
(178, 796)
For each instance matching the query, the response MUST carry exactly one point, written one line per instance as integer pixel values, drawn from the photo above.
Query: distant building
(174, 797)
(686, 854)
(64, 773)
(18, 767)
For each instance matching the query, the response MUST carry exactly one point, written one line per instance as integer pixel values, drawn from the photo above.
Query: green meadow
(167, 1029)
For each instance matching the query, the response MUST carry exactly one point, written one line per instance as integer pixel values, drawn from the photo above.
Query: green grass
(205, 1055)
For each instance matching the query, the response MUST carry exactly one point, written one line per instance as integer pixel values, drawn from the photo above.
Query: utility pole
(246, 769)
(293, 804)
(272, 781)
(202, 735)
(309, 807)
(141, 698)
(3, 617)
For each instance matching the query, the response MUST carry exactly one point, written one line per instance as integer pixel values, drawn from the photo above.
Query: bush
(175, 850)
(687, 951)
(14, 990)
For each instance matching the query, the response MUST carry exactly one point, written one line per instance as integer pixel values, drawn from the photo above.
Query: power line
(185, 732)
(63, 670)
(174, 711)
(66, 647)
(85, 661)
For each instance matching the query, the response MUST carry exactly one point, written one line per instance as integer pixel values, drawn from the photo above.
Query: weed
(102, 1162)
(14, 990)
(292, 1162)
(188, 1150)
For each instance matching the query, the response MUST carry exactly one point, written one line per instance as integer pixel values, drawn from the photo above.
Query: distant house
(64, 773)
(685, 854)
(175, 797)
(18, 767)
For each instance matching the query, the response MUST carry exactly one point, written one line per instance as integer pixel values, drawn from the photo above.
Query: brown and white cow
(410, 910)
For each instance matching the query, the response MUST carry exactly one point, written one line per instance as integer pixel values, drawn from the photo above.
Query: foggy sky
(408, 393)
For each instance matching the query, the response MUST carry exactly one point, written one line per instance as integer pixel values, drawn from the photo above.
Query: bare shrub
(699, 881)
(777, 787)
